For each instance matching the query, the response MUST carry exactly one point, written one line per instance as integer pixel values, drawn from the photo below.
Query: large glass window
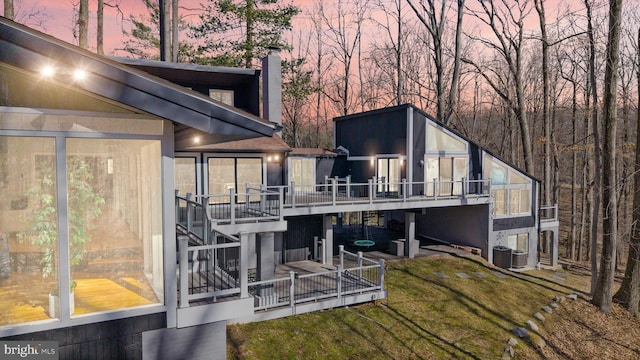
(233, 173)
(388, 174)
(303, 172)
(28, 229)
(440, 141)
(510, 189)
(115, 223)
(185, 175)
(448, 172)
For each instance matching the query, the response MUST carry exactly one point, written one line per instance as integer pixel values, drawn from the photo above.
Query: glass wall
(115, 223)
(388, 174)
(185, 175)
(303, 172)
(28, 229)
(449, 172)
(233, 173)
(510, 189)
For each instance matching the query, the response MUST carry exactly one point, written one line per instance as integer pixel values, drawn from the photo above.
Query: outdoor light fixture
(48, 71)
(372, 161)
(273, 158)
(79, 74)
(196, 139)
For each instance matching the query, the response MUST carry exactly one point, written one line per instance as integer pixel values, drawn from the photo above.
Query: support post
(341, 249)
(293, 194)
(244, 265)
(183, 246)
(381, 280)
(359, 264)
(328, 237)
(348, 186)
(292, 291)
(339, 282)
(409, 233)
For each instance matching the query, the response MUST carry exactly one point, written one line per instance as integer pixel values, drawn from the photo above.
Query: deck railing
(548, 213)
(209, 262)
(361, 276)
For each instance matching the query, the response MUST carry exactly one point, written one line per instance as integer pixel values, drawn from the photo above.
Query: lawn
(426, 316)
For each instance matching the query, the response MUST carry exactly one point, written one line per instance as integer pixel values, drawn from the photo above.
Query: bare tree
(506, 22)
(602, 296)
(629, 292)
(434, 21)
(8, 9)
(83, 24)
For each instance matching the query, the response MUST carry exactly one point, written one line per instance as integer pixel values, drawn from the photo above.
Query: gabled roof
(31, 50)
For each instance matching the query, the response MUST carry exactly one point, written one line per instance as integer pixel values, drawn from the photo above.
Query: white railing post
(339, 281)
(244, 265)
(281, 202)
(381, 264)
(371, 193)
(360, 264)
(263, 198)
(232, 205)
(435, 188)
(183, 248)
(293, 194)
(341, 250)
(246, 194)
(206, 226)
(334, 190)
(323, 243)
(348, 186)
(464, 189)
(326, 183)
(292, 291)
(315, 249)
(404, 189)
(177, 206)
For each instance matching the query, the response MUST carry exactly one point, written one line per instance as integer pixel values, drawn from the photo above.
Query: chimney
(272, 87)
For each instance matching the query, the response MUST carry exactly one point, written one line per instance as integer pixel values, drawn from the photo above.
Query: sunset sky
(60, 18)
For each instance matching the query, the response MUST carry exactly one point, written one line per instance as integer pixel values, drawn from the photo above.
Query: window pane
(185, 175)
(525, 201)
(494, 171)
(512, 241)
(222, 178)
(432, 169)
(249, 174)
(224, 96)
(115, 223)
(459, 172)
(523, 242)
(516, 178)
(394, 174)
(438, 140)
(500, 202)
(383, 174)
(446, 176)
(28, 229)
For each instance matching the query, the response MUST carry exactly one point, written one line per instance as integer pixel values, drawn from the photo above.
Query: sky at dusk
(59, 22)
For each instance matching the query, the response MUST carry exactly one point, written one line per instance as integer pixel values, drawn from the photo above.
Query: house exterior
(168, 207)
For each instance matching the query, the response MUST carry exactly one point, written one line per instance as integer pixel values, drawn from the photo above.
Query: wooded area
(550, 86)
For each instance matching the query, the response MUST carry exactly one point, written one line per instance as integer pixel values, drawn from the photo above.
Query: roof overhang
(31, 50)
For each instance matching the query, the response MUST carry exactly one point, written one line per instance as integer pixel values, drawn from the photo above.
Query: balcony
(214, 282)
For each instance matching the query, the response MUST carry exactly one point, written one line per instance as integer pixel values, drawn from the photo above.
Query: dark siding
(114, 339)
(464, 225)
(376, 133)
(275, 172)
(324, 167)
(298, 239)
(419, 139)
(513, 223)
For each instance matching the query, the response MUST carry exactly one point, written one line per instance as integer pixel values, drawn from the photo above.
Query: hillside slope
(446, 307)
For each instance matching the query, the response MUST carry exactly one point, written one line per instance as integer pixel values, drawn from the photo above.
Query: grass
(424, 317)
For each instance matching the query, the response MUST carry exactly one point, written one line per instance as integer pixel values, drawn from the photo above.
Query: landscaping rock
(532, 325)
(539, 316)
(539, 342)
(559, 299)
(512, 342)
(572, 296)
(441, 275)
(521, 332)
(547, 309)
(554, 305)
(506, 355)
(462, 275)
(480, 274)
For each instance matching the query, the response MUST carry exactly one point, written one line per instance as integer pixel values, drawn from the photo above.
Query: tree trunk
(602, 296)
(100, 28)
(574, 172)
(175, 31)
(83, 24)
(629, 293)
(546, 120)
(8, 9)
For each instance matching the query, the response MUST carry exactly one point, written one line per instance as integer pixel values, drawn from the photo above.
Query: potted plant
(54, 300)
(83, 202)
